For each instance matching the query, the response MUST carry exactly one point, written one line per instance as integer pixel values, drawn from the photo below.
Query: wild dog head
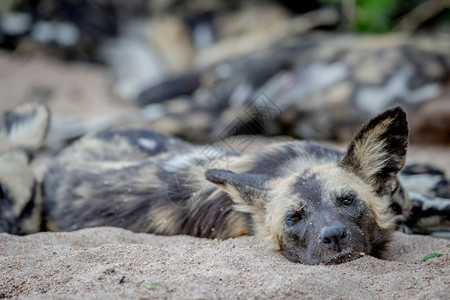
(331, 212)
(22, 131)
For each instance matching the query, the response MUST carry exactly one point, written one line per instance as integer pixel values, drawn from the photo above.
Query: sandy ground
(112, 263)
(115, 263)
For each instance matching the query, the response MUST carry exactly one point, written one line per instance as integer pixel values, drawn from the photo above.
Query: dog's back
(139, 180)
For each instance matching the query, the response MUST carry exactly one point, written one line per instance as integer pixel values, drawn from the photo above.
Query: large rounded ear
(26, 126)
(378, 151)
(247, 190)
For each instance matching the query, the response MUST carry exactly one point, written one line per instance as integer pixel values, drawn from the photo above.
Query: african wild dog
(309, 201)
(22, 131)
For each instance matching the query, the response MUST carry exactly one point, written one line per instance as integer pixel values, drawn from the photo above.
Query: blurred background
(205, 70)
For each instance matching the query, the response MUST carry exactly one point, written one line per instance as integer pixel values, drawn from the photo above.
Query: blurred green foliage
(374, 15)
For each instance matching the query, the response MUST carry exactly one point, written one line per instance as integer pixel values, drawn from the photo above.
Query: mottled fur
(22, 131)
(312, 202)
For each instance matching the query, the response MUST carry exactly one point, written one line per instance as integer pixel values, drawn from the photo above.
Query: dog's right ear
(378, 151)
(25, 127)
(247, 190)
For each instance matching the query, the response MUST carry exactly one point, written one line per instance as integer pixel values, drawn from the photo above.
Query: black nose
(334, 237)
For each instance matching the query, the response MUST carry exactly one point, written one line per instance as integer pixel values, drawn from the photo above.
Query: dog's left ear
(378, 151)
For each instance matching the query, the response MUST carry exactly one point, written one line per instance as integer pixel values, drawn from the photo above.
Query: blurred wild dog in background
(22, 132)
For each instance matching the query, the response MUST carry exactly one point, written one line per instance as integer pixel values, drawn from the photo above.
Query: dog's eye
(347, 199)
(294, 218)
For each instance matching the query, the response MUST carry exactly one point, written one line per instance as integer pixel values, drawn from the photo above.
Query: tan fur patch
(369, 151)
(280, 201)
(161, 220)
(236, 225)
(52, 226)
(17, 177)
(32, 224)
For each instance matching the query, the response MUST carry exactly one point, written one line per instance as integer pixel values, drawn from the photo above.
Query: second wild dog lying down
(22, 132)
(311, 202)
